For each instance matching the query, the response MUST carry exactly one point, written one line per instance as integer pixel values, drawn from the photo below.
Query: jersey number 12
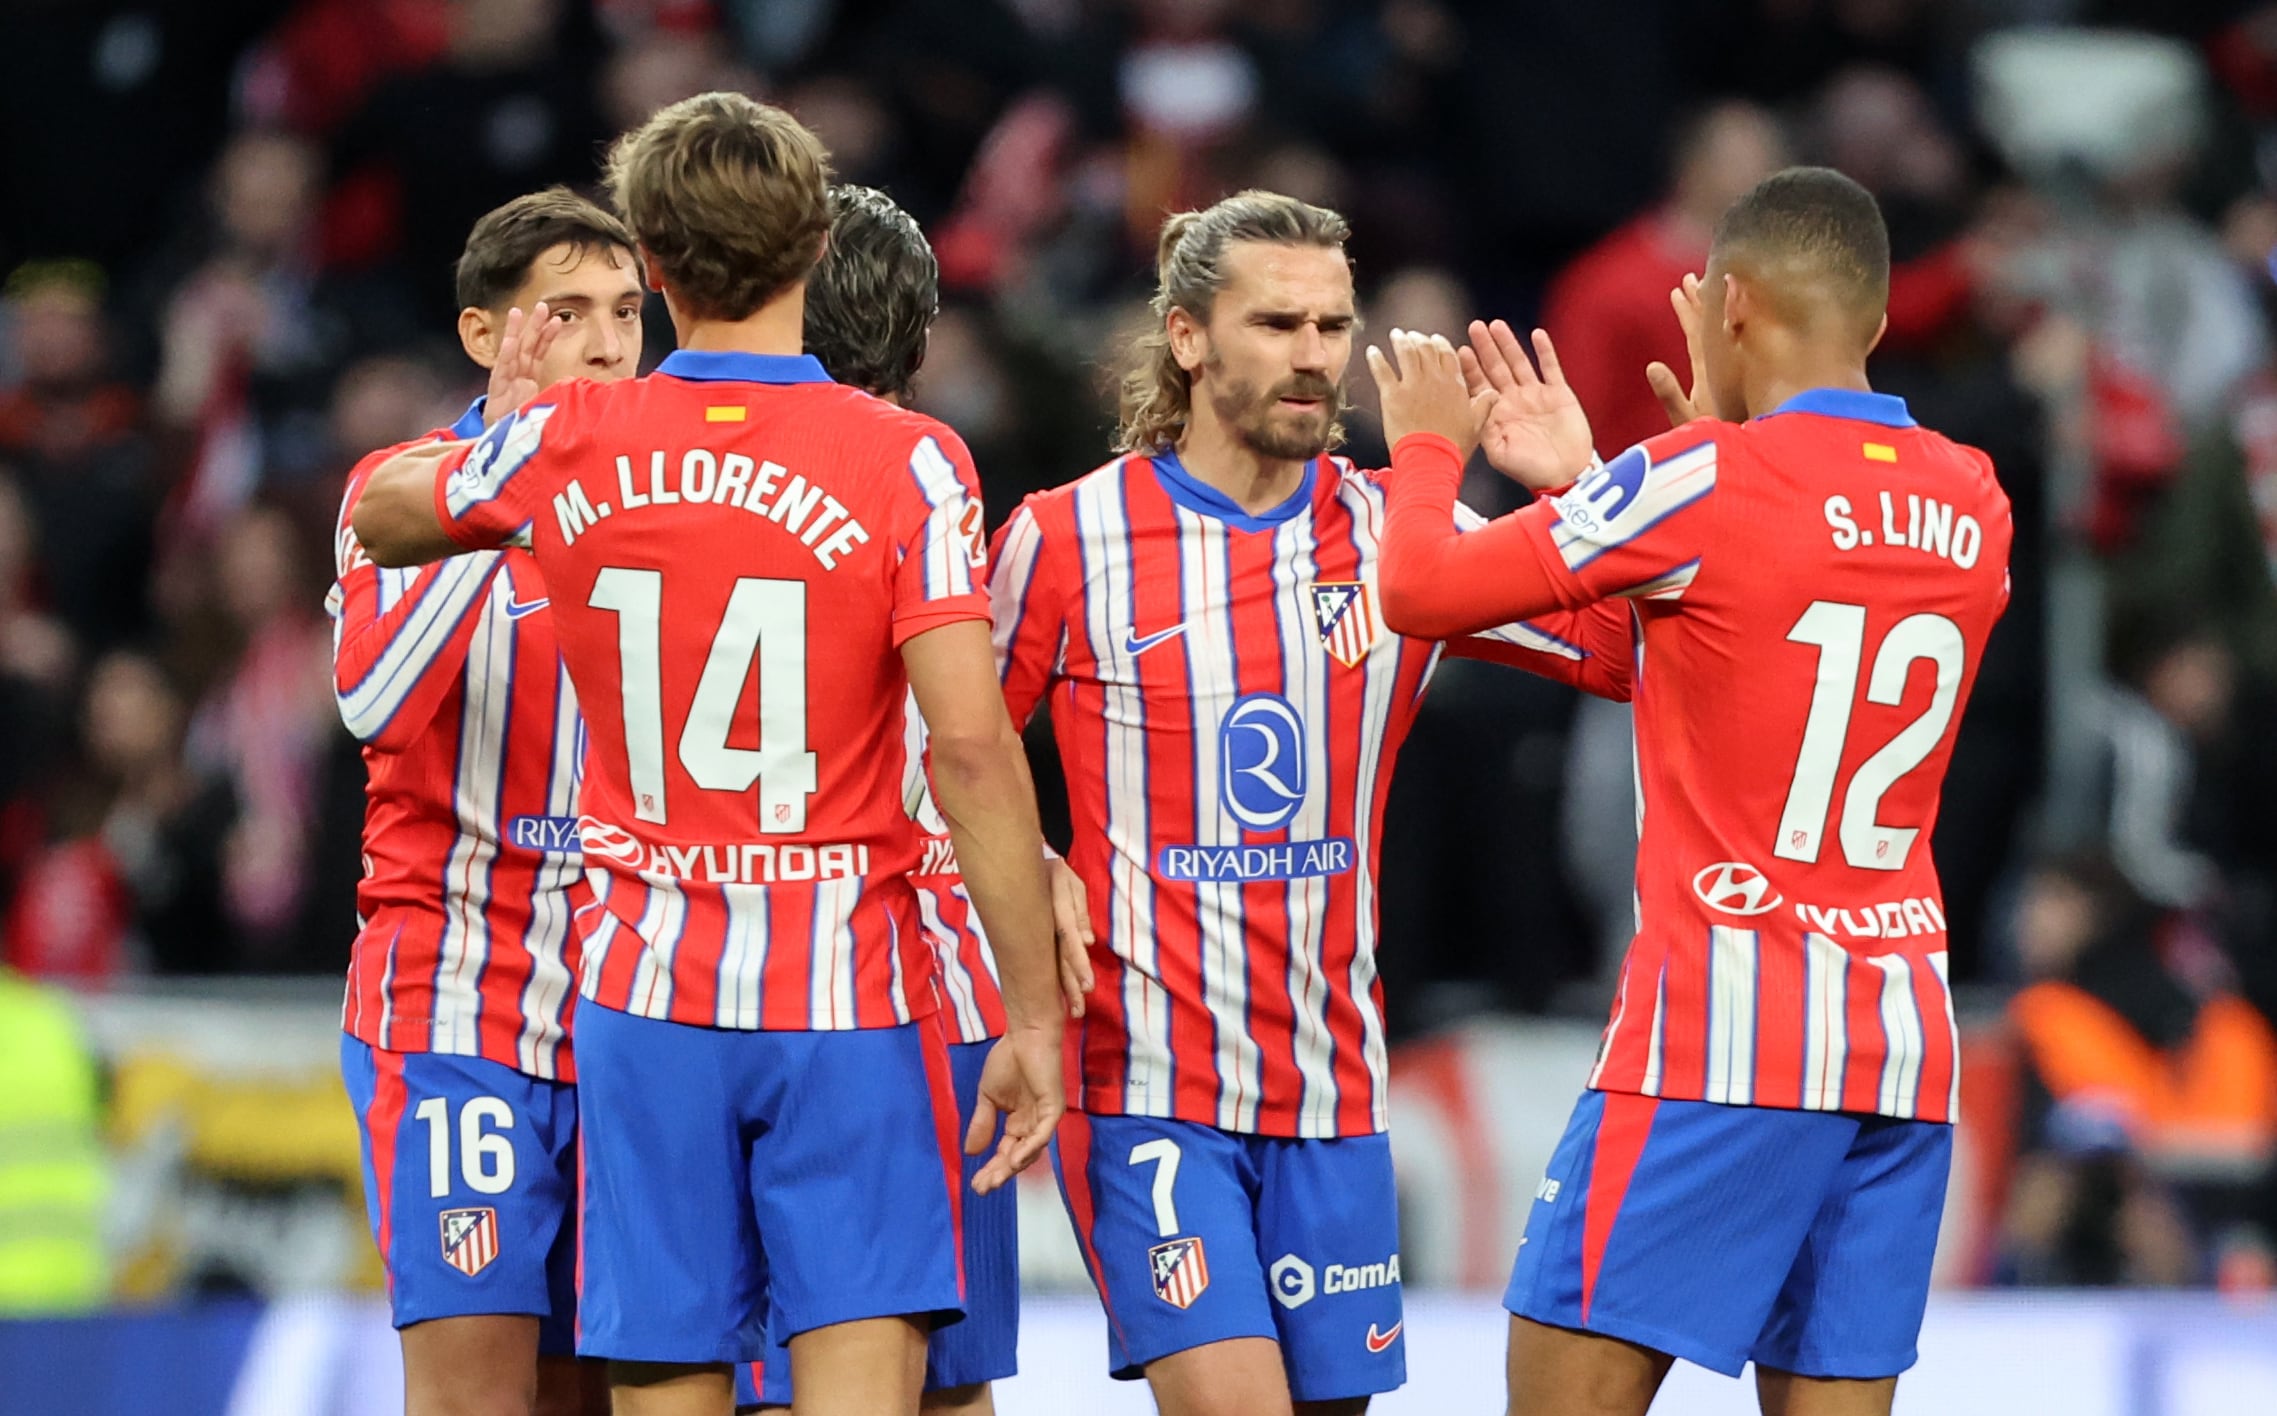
(1839, 632)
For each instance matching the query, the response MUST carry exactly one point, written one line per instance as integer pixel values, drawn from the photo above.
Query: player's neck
(1772, 387)
(777, 327)
(1212, 455)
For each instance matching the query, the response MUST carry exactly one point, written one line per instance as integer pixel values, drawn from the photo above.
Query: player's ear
(479, 333)
(1739, 304)
(1189, 342)
(651, 273)
(1880, 328)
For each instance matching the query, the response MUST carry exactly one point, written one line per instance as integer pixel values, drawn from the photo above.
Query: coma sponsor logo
(552, 834)
(1261, 749)
(1295, 1282)
(1735, 887)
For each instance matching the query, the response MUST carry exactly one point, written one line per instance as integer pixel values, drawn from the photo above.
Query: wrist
(1425, 448)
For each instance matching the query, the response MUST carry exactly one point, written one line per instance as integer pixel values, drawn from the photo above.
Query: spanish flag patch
(720, 413)
(1875, 452)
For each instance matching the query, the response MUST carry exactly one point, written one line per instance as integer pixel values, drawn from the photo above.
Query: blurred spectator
(266, 727)
(660, 67)
(1609, 310)
(2151, 1111)
(511, 107)
(163, 826)
(2173, 696)
(72, 434)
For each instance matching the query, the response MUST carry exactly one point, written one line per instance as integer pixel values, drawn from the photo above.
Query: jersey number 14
(765, 623)
(1839, 632)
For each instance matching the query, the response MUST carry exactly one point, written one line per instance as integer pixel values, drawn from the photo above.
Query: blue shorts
(1800, 1240)
(470, 1180)
(742, 1187)
(985, 1346)
(1197, 1235)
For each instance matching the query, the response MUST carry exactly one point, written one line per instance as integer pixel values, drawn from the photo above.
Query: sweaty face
(593, 293)
(1722, 351)
(1278, 341)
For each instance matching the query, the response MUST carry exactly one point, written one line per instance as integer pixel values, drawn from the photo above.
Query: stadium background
(226, 229)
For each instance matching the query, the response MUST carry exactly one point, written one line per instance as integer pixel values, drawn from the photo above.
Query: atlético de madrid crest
(1180, 1273)
(470, 1239)
(1345, 619)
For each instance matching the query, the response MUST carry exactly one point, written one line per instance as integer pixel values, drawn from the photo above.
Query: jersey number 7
(1839, 631)
(765, 621)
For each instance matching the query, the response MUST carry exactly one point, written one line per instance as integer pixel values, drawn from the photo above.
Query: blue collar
(1203, 499)
(729, 365)
(470, 424)
(1854, 404)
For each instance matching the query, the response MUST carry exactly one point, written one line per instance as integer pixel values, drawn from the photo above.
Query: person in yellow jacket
(52, 1178)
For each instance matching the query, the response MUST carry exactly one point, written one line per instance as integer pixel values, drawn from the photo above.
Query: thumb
(1482, 404)
(1673, 400)
(983, 1127)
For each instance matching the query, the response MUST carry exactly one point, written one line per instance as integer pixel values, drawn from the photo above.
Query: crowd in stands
(226, 235)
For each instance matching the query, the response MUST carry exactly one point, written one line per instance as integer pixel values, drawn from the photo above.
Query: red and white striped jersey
(969, 988)
(1813, 591)
(1228, 705)
(736, 548)
(450, 677)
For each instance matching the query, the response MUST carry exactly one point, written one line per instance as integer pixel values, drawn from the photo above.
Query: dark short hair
(875, 293)
(508, 240)
(729, 197)
(1823, 235)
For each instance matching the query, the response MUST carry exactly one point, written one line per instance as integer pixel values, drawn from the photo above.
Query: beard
(1269, 430)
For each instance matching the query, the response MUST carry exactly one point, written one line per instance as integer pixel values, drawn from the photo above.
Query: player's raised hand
(1071, 925)
(1020, 1082)
(1420, 385)
(514, 378)
(1683, 406)
(1535, 433)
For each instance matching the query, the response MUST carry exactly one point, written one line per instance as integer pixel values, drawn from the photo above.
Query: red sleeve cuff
(932, 614)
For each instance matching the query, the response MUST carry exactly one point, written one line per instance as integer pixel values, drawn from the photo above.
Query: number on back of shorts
(1164, 1154)
(486, 1158)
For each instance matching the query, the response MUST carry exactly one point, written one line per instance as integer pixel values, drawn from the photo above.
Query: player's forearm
(1436, 582)
(392, 670)
(395, 518)
(982, 788)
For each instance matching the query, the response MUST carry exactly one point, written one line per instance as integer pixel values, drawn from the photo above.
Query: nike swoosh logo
(1132, 644)
(1378, 1341)
(516, 609)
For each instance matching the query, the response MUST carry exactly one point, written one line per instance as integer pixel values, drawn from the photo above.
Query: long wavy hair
(1156, 394)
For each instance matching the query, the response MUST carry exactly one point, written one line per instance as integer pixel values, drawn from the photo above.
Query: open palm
(1536, 433)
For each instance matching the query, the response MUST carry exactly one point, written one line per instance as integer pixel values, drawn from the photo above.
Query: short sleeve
(1639, 525)
(488, 496)
(1031, 619)
(940, 539)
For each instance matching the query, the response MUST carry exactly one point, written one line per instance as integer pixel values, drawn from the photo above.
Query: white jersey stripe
(1826, 1032)
(1304, 670)
(1942, 964)
(481, 774)
(1651, 1084)
(1901, 1031)
(1732, 964)
(948, 563)
(1365, 504)
(548, 988)
(1205, 578)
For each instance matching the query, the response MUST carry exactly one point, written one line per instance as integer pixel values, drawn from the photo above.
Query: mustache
(1308, 386)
